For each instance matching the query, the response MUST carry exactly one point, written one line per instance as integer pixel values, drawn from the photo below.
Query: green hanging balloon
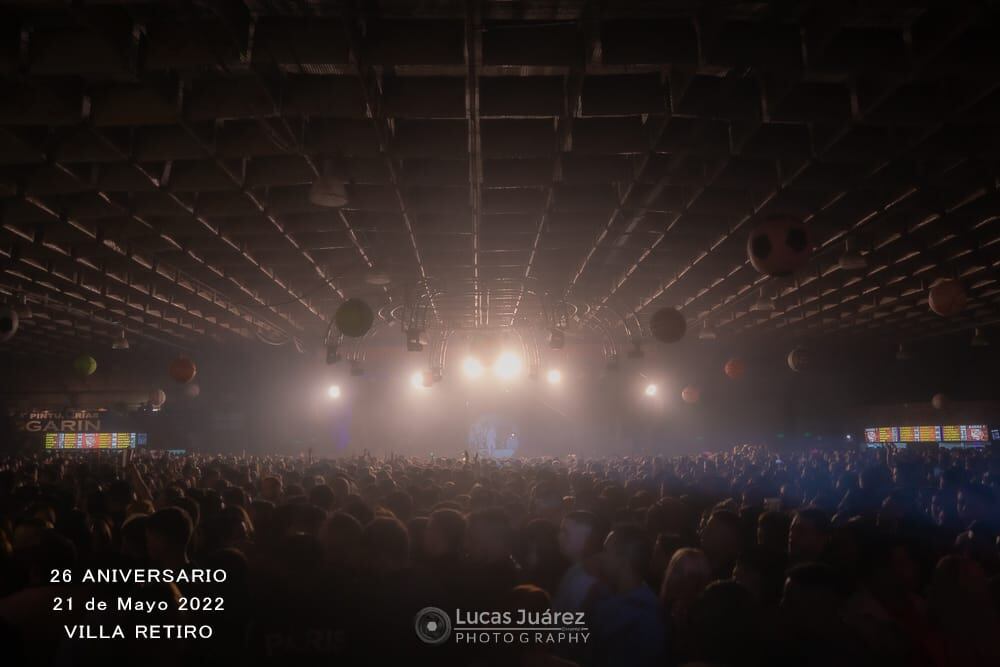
(85, 365)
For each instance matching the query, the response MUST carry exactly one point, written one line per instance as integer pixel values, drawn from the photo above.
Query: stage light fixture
(851, 260)
(706, 332)
(329, 189)
(413, 342)
(763, 304)
(557, 339)
(651, 390)
(417, 380)
(979, 340)
(332, 354)
(333, 391)
(472, 368)
(554, 376)
(121, 343)
(507, 366)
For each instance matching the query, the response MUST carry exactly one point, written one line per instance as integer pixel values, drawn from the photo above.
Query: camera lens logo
(433, 626)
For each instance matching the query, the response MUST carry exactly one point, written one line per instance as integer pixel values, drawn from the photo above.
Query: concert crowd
(743, 558)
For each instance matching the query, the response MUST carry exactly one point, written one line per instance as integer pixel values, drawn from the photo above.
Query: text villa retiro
(138, 632)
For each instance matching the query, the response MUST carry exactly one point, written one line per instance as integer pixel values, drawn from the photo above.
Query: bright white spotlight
(554, 376)
(417, 380)
(472, 368)
(650, 390)
(333, 391)
(507, 366)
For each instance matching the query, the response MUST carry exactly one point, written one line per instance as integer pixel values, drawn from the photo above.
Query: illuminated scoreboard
(87, 441)
(920, 434)
(965, 434)
(975, 434)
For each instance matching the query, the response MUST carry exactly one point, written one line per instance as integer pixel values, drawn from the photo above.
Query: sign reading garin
(59, 421)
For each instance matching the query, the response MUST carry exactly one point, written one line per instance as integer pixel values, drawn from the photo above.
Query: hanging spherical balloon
(668, 325)
(735, 368)
(947, 297)
(354, 318)
(779, 245)
(939, 401)
(85, 365)
(8, 323)
(192, 391)
(182, 370)
(691, 394)
(157, 398)
(799, 359)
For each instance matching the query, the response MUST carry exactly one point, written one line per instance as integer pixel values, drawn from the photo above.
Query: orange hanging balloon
(182, 370)
(691, 394)
(947, 298)
(735, 368)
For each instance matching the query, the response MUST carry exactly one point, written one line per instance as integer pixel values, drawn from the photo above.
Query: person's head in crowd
(400, 503)
(539, 553)
(627, 552)
(271, 489)
(489, 537)
(386, 545)
(357, 507)
(120, 495)
(687, 575)
(944, 507)
(301, 556)
(48, 551)
(444, 537)
(875, 480)
(976, 502)
(168, 534)
(761, 571)
(580, 535)
(808, 535)
(416, 527)
(889, 569)
(133, 537)
(772, 531)
(230, 528)
(192, 507)
(813, 595)
(234, 495)
(720, 540)
(341, 539)
(664, 547)
(725, 625)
